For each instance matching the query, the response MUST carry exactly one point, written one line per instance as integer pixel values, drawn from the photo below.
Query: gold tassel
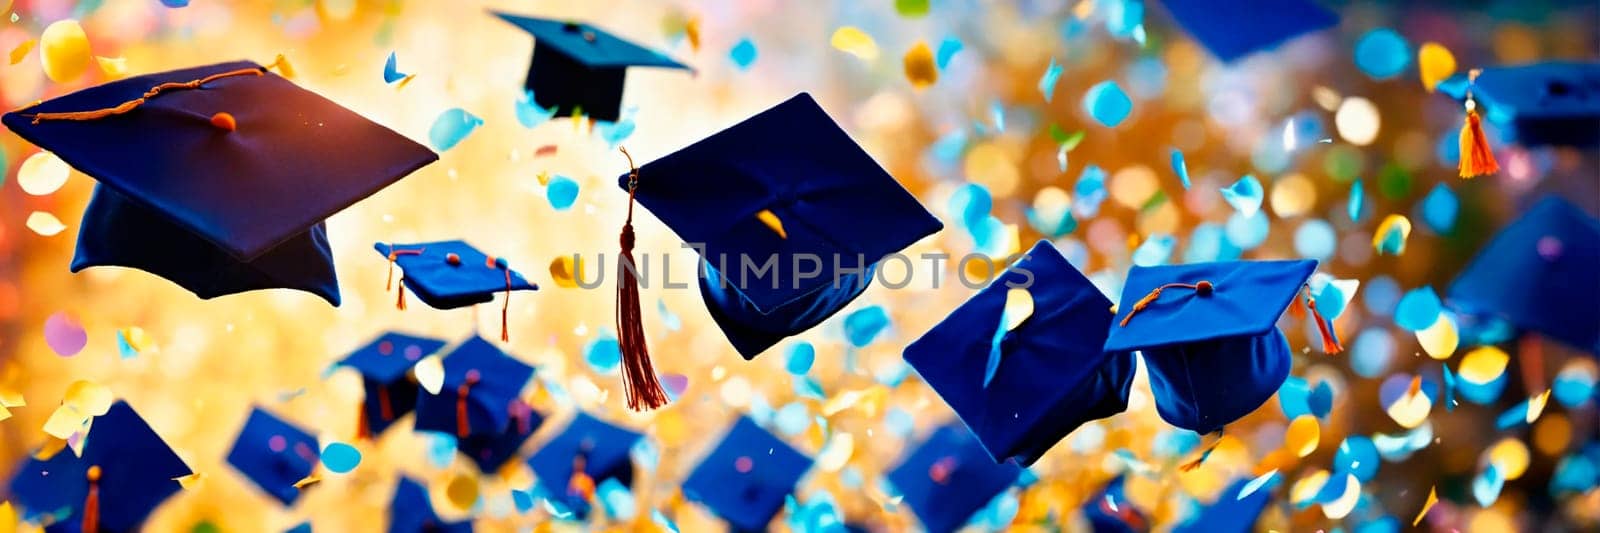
(1477, 159)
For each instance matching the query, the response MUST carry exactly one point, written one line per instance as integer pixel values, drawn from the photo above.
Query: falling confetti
(1390, 237)
(1440, 339)
(1439, 209)
(64, 51)
(1047, 82)
(1107, 104)
(113, 67)
(1418, 309)
(1302, 436)
(562, 192)
(65, 334)
(853, 41)
(1180, 168)
(21, 51)
(864, 325)
(564, 270)
(529, 114)
(919, 66)
(1353, 205)
(430, 373)
(340, 458)
(947, 50)
(1433, 498)
(743, 54)
(1382, 53)
(801, 356)
(1435, 63)
(391, 72)
(451, 128)
(42, 173)
(1244, 195)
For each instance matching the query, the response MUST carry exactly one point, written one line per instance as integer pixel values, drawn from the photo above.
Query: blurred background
(1004, 152)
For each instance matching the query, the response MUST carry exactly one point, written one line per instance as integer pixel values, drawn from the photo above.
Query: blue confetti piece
(899, 422)
(668, 319)
(806, 387)
(947, 49)
(1321, 400)
(1180, 167)
(863, 325)
(1439, 209)
(522, 500)
(1316, 239)
(1381, 296)
(1383, 524)
(997, 115)
(792, 419)
(1382, 54)
(441, 448)
(613, 133)
(124, 348)
(950, 146)
(1154, 251)
(616, 499)
(1418, 309)
(1573, 386)
(529, 114)
(391, 72)
(1107, 103)
(303, 527)
(603, 353)
(451, 127)
(1484, 394)
(1061, 225)
(1372, 352)
(1357, 456)
(646, 454)
(1486, 486)
(1047, 82)
(663, 521)
(1575, 473)
(801, 355)
(1245, 195)
(1247, 232)
(562, 192)
(176, 3)
(1124, 18)
(1330, 301)
(1516, 416)
(1293, 397)
(999, 513)
(1398, 385)
(743, 54)
(340, 458)
(970, 204)
(1357, 197)
(1089, 192)
(1449, 388)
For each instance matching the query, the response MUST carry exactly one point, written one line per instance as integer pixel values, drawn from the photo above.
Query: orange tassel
(1202, 288)
(505, 334)
(639, 381)
(1476, 157)
(158, 90)
(1330, 344)
(363, 428)
(1297, 309)
(1191, 465)
(91, 502)
(463, 425)
(400, 301)
(383, 404)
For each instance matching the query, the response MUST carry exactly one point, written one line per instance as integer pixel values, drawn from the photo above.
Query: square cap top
(1232, 29)
(135, 466)
(293, 159)
(827, 194)
(492, 381)
(948, 477)
(274, 454)
(1556, 89)
(1229, 513)
(1245, 299)
(588, 44)
(1110, 511)
(747, 477)
(388, 357)
(605, 449)
(412, 511)
(453, 274)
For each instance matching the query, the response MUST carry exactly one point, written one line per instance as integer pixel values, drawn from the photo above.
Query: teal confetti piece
(603, 353)
(124, 348)
(801, 355)
(1154, 251)
(1418, 309)
(1107, 103)
(340, 458)
(863, 325)
(1320, 402)
(743, 54)
(807, 387)
(1245, 195)
(1089, 192)
(1180, 167)
(1353, 206)
(1357, 456)
(947, 49)
(1449, 388)
(1486, 486)
(613, 133)
(522, 500)
(1047, 82)
(1382, 54)
(391, 72)
(1439, 209)
(562, 192)
(452, 126)
(529, 114)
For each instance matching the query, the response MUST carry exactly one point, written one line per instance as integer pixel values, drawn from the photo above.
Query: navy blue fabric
(1205, 385)
(1232, 29)
(1110, 511)
(275, 471)
(1553, 292)
(1540, 104)
(970, 481)
(752, 330)
(579, 66)
(490, 452)
(137, 469)
(747, 500)
(500, 382)
(411, 511)
(605, 449)
(1053, 375)
(384, 364)
(442, 285)
(1229, 513)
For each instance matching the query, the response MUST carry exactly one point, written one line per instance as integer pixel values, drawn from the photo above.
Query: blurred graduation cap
(1208, 333)
(1539, 274)
(125, 472)
(451, 275)
(948, 477)
(1539, 104)
(384, 365)
(274, 454)
(1048, 376)
(1110, 511)
(747, 477)
(1232, 29)
(490, 452)
(785, 184)
(1229, 513)
(602, 450)
(480, 382)
(412, 511)
(579, 66)
(217, 178)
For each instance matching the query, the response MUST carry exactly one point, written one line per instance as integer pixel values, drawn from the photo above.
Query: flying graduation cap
(490, 452)
(1232, 29)
(1208, 333)
(452, 275)
(780, 188)
(274, 455)
(584, 455)
(125, 472)
(217, 178)
(385, 366)
(746, 479)
(412, 511)
(948, 477)
(480, 395)
(578, 67)
(1232, 512)
(1024, 386)
(1539, 274)
(1110, 511)
(1540, 104)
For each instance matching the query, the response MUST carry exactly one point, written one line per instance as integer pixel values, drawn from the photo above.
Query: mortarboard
(603, 450)
(384, 364)
(481, 382)
(125, 472)
(948, 477)
(452, 274)
(217, 178)
(1052, 375)
(412, 511)
(490, 452)
(1539, 274)
(578, 66)
(1230, 513)
(747, 477)
(1539, 104)
(1232, 29)
(1208, 333)
(274, 454)
(1110, 511)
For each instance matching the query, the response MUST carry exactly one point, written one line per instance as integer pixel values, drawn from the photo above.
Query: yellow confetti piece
(462, 491)
(920, 69)
(430, 374)
(49, 449)
(1435, 63)
(285, 68)
(8, 514)
(1390, 237)
(1536, 405)
(5, 413)
(113, 67)
(1306, 488)
(564, 271)
(88, 397)
(1509, 456)
(1440, 339)
(1303, 435)
(190, 481)
(1346, 502)
(1019, 306)
(1433, 498)
(851, 40)
(308, 481)
(1411, 409)
(691, 30)
(45, 224)
(65, 421)
(64, 51)
(12, 398)
(21, 51)
(138, 340)
(837, 453)
(544, 178)
(766, 216)
(42, 173)
(404, 82)
(1483, 365)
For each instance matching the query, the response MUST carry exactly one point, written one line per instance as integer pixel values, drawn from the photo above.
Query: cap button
(588, 36)
(1203, 288)
(572, 27)
(453, 259)
(385, 348)
(744, 465)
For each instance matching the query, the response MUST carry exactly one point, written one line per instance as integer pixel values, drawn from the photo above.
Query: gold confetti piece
(691, 30)
(1326, 98)
(1306, 488)
(1536, 405)
(1433, 498)
(1410, 410)
(64, 51)
(837, 452)
(8, 514)
(766, 216)
(5, 413)
(49, 449)
(65, 421)
(404, 82)
(1509, 456)
(1440, 339)
(1390, 237)
(21, 51)
(88, 397)
(564, 271)
(308, 482)
(190, 481)
(1019, 306)
(113, 67)
(138, 340)
(1483, 365)
(45, 224)
(1084, 9)
(851, 40)
(12, 398)
(462, 491)
(285, 69)
(1435, 63)
(42, 173)
(544, 178)
(1303, 435)
(920, 69)
(430, 374)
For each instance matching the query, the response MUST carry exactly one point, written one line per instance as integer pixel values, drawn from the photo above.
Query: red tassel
(400, 301)
(1297, 309)
(1330, 345)
(394, 255)
(639, 381)
(1191, 465)
(383, 404)
(91, 502)
(463, 425)
(363, 428)
(1476, 157)
(505, 335)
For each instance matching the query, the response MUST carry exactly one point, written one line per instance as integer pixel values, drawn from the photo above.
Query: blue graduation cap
(600, 448)
(412, 511)
(1208, 333)
(1539, 104)
(217, 178)
(1230, 513)
(451, 275)
(385, 364)
(490, 452)
(1051, 375)
(783, 186)
(1110, 511)
(747, 477)
(481, 387)
(125, 472)
(1539, 274)
(579, 66)
(948, 477)
(274, 454)
(1232, 29)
